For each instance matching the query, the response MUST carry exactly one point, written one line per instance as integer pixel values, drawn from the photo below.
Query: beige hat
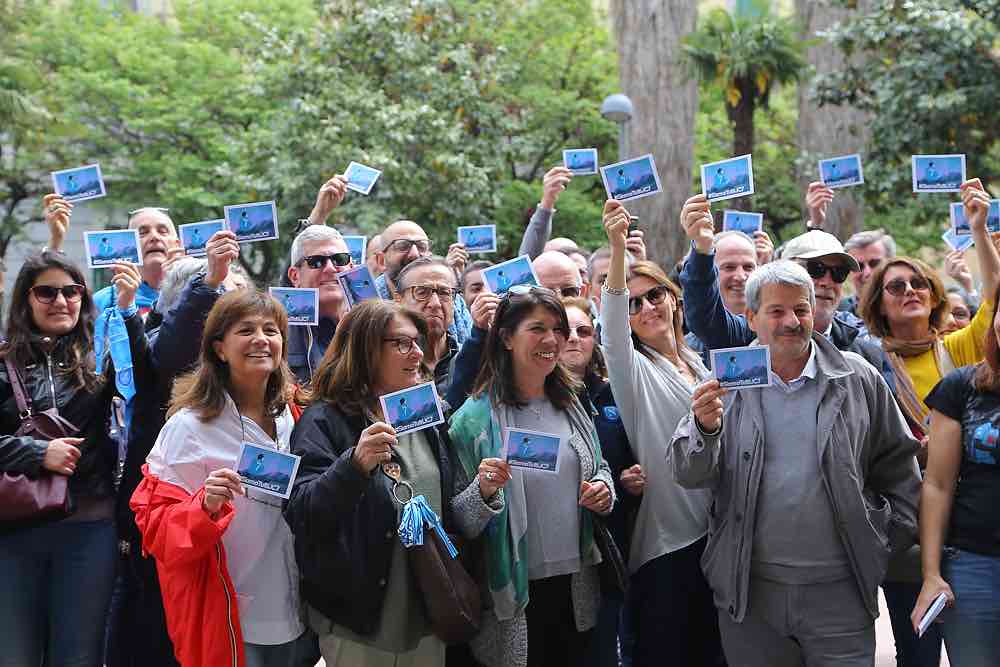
(814, 244)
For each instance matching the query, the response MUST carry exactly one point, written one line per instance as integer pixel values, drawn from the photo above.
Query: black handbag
(612, 570)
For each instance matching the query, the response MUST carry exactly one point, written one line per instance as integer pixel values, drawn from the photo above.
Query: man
(600, 260)
(318, 255)
(371, 251)
(815, 485)
(402, 242)
(826, 262)
(870, 249)
(471, 281)
(558, 272)
(539, 229)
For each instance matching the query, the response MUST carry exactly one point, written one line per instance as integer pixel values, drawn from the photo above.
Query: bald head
(558, 272)
(402, 242)
(562, 244)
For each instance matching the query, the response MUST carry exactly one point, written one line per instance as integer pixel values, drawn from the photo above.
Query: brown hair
(203, 390)
(77, 352)
(652, 270)
(347, 375)
(870, 300)
(496, 375)
(597, 367)
(987, 377)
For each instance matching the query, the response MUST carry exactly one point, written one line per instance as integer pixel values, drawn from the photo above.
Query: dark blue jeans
(911, 651)
(972, 626)
(56, 581)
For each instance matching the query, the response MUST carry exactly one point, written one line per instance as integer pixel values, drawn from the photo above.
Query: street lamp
(618, 108)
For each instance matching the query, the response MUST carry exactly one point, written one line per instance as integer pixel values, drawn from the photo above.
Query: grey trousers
(790, 625)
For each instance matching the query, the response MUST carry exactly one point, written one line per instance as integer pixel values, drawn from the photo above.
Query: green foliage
(927, 70)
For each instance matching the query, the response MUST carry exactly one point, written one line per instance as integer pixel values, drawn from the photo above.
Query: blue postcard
(727, 179)
(956, 241)
(195, 235)
(742, 221)
(357, 246)
(478, 238)
(358, 285)
(631, 179)
(412, 409)
(742, 367)
(267, 470)
(79, 183)
(501, 277)
(301, 304)
(531, 450)
(253, 222)
(580, 161)
(105, 248)
(361, 178)
(938, 173)
(959, 223)
(841, 172)
(993, 216)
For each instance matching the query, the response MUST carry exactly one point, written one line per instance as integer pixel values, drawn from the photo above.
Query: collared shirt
(808, 373)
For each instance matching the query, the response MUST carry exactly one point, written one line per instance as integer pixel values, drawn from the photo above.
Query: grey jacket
(867, 465)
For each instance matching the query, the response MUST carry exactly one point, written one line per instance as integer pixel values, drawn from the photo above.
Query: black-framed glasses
(655, 297)
(404, 245)
(319, 261)
(817, 269)
(582, 331)
(422, 293)
(48, 293)
(404, 344)
(899, 286)
(569, 291)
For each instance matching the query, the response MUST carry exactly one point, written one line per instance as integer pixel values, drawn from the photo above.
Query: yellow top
(965, 347)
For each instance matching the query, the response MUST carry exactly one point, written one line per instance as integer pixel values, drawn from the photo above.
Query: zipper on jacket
(229, 607)
(52, 382)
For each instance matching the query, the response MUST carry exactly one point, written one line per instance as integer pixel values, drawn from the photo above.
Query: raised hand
(126, 281)
(696, 219)
(553, 183)
(818, 197)
(329, 197)
(706, 403)
(220, 251)
(458, 258)
(958, 270)
(484, 307)
(763, 246)
(636, 244)
(615, 221)
(57, 214)
(976, 202)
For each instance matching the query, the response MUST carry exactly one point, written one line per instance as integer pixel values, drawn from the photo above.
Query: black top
(975, 522)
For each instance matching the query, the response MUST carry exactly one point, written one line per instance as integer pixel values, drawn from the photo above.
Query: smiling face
(828, 292)
(912, 305)
(397, 370)
(331, 297)
(252, 350)
(652, 323)
(536, 344)
(784, 321)
(579, 348)
(960, 316)
(59, 317)
(736, 259)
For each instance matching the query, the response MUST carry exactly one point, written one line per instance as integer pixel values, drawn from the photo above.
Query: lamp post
(618, 108)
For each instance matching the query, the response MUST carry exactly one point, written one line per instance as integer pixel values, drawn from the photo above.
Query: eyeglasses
(48, 293)
(404, 245)
(899, 286)
(817, 269)
(569, 292)
(654, 296)
(149, 208)
(872, 263)
(404, 344)
(422, 293)
(583, 331)
(319, 261)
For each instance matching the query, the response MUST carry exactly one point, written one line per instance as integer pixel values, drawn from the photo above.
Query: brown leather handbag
(46, 496)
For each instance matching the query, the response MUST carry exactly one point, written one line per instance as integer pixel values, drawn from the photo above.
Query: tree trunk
(743, 133)
(665, 98)
(831, 130)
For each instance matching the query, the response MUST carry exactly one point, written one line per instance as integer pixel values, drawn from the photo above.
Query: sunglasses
(654, 296)
(48, 293)
(319, 261)
(817, 269)
(404, 245)
(899, 286)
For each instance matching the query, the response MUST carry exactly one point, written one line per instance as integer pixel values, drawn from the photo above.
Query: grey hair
(178, 276)
(310, 234)
(780, 272)
(867, 238)
(721, 236)
(153, 210)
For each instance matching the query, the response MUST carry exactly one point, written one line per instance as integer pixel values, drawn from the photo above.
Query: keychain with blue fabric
(416, 513)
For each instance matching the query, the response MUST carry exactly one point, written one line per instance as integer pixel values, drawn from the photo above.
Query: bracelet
(617, 291)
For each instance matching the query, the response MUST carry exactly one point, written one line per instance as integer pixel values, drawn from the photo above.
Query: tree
(649, 34)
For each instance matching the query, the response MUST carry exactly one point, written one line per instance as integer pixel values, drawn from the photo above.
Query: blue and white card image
(727, 179)
(267, 469)
(531, 450)
(959, 222)
(412, 409)
(195, 235)
(501, 277)
(478, 238)
(357, 246)
(938, 173)
(358, 284)
(301, 304)
(841, 172)
(993, 216)
(631, 179)
(106, 247)
(361, 178)
(253, 222)
(957, 242)
(742, 367)
(742, 221)
(79, 183)
(580, 161)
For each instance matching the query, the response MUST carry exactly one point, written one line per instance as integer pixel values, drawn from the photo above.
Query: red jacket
(198, 595)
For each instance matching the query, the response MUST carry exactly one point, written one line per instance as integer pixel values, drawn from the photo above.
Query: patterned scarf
(898, 350)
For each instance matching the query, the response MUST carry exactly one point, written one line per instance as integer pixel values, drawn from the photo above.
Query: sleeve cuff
(129, 312)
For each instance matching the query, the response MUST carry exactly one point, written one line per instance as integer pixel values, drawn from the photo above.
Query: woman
(653, 374)
(962, 307)
(961, 492)
(57, 576)
(544, 593)
(224, 555)
(346, 503)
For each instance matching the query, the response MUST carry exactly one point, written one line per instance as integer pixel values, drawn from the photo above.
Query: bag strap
(20, 394)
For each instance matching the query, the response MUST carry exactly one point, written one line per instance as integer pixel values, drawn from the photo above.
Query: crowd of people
(687, 523)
